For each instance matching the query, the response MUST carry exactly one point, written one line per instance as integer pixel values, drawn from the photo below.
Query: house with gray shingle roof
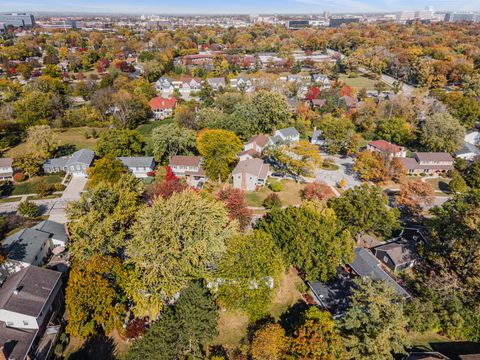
(31, 246)
(216, 83)
(139, 166)
(248, 174)
(28, 301)
(285, 135)
(76, 164)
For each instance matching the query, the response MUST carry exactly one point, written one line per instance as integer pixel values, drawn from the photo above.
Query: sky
(232, 6)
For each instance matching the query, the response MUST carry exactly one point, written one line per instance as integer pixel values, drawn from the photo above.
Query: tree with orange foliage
(317, 190)
(269, 343)
(234, 200)
(414, 195)
(170, 185)
(377, 167)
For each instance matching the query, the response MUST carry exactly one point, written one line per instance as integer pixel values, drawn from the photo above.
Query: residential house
(322, 80)
(6, 169)
(164, 86)
(162, 107)
(189, 167)
(385, 148)
(30, 311)
(248, 174)
(428, 163)
(366, 264)
(350, 102)
(467, 152)
(317, 103)
(75, 165)
(473, 137)
(242, 83)
(139, 166)
(32, 246)
(254, 147)
(285, 135)
(395, 254)
(317, 137)
(216, 83)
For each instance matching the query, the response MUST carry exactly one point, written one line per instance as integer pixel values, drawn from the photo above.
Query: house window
(25, 323)
(385, 259)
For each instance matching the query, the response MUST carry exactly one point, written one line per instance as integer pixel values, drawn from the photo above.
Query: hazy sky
(233, 6)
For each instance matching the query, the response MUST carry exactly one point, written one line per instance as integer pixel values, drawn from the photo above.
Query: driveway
(333, 177)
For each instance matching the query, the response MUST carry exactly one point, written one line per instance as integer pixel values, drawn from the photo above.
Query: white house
(241, 83)
(162, 107)
(30, 301)
(6, 169)
(322, 80)
(31, 246)
(76, 164)
(468, 152)
(317, 137)
(139, 166)
(249, 174)
(216, 83)
(189, 167)
(285, 135)
(164, 86)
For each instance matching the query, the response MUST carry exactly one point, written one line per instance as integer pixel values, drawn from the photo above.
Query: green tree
(465, 109)
(184, 330)
(175, 240)
(169, 140)
(219, 149)
(106, 170)
(93, 297)
(30, 164)
(375, 326)
(442, 132)
(338, 133)
(457, 184)
(395, 129)
(472, 175)
(272, 110)
(28, 209)
(249, 269)
(35, 107)
(364, 208)
(101, 221)
(116, 143)
(310, 238)
(41, 140)
(130, 111)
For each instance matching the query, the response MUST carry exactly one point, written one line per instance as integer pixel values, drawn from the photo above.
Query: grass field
(28, 187)
(146, 129)
(440, 185)
(290, 194)
(359, 82)
(69, 136)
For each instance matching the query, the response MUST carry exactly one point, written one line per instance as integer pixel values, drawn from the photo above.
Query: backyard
(28, 186)
(360, 82)
(289, 195)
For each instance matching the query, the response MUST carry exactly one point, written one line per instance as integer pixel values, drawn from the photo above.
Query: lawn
(440, 185)
(359, 82)
(69, 136)
(289, 195)
(146, 129)
(28, 187)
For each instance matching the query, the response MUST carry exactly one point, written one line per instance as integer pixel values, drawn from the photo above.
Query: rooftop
(6, 162)
(182, 160)
(160, 103)
(254, 167)
(385, 146)
(433, 156)
(137, 161)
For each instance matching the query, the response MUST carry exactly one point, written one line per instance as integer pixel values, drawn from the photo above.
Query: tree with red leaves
(169, 185)
(318, 191)
(312, 93)
(346, 91)
(236, 205)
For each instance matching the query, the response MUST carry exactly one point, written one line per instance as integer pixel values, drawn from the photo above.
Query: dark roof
(27, 291)
(367, 265)
(333, 295)
(16, 343)
(289, 132)
(398, 250)
(433, 156)
(83, 156)
(138, 161)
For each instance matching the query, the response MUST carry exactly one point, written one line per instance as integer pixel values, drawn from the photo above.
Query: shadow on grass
(97, 347)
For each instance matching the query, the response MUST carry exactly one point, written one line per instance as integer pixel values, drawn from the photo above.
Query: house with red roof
(162, 107)
(386, 148)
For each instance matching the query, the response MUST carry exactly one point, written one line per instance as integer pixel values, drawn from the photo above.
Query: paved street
(333, 177)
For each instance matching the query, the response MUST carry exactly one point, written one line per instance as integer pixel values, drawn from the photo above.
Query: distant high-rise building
(461, 16)
(406, 15)
(18, 20)
(424, 14)
(336, 22)
(298, 24)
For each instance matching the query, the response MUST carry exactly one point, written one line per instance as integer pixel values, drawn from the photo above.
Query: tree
(375, 326)
(442, 132)
(115, 143)
(457, 185)
(35, 107)
(106, 170)
(169, 140)
(30, 164)
(269, 343)
(234, 200)
(315, 337)
(394, 129)
(310, 239)
(185, 116)
(174, 240)
(28, 209)
(299, 158)
(317, 191)
(364, 208)
(249, 269)
(414, 195)
(184, 330)
(93, 297)
(41, 140)
(272, 109)
(219, 149)
(101, 221)
(464, 108)
(338, 134)
(454, 237)
(378, 167)
(130, 111)
(472, 175)
(170, 185)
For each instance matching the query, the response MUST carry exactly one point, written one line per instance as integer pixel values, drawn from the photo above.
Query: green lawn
(70, 136)
(28, 187)
(440, 184)
(146, 129)
(9, 200)
(290, 194)
(359, 82)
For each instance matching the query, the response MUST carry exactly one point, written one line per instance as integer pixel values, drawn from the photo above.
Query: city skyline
(234, 7)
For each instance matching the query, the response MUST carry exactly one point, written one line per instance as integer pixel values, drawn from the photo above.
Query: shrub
(28, 209)
(151, 173)
(58, 187)
(316, 191)
(275, 186)
(20, 177)
(272, 201)
(43, 189)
